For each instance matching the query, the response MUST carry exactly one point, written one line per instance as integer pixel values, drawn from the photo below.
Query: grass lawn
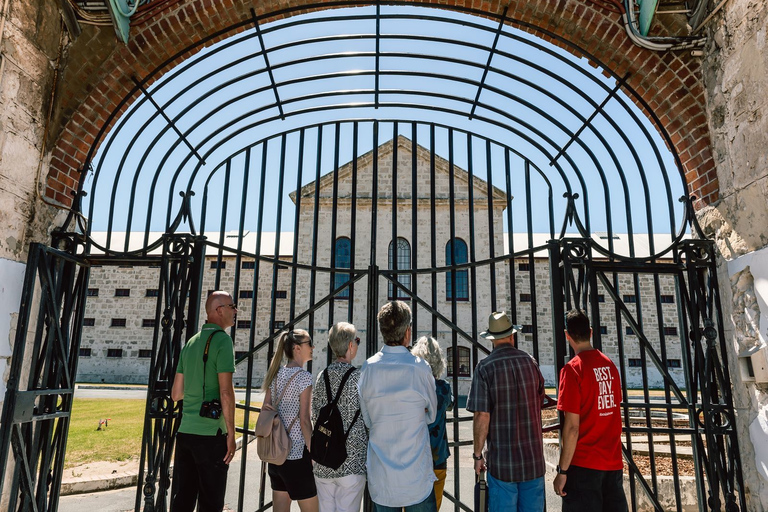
(121, 440)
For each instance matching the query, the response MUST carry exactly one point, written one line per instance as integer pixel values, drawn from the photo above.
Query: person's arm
(363, 409)
(227, 396)
(480, 423)
(431, 412)
(570, 438)
(177, 391)
(305, 420)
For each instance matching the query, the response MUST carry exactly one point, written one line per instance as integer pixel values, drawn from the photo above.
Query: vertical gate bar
(451, 275)
(223, 226)
(296, 223)
(433, 224)
(259, 236)
(334, 220)
(236, 297)
(414, 223)
(491, 227)
(378, 53)
(353, 224)
(531, 261)
(278, 229)
(558, 311)
(374, 200)
(510, 238)
(393, 244)
(473, 274)
(313, 272)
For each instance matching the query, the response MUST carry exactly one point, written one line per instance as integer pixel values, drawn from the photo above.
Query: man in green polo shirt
(205, 443)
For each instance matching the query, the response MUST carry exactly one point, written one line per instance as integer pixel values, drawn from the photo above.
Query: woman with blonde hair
(428, 349)
(341, 489)
(291, 386)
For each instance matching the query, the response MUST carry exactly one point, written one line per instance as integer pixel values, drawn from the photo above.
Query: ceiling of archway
(577, 127)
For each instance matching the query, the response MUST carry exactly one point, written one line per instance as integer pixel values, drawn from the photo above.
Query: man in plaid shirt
(506, 397)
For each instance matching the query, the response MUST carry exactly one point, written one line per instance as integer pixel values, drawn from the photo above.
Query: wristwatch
(561, 471)
(477, 457)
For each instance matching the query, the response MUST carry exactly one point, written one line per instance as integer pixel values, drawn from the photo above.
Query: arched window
(463, 361)
(343, 255)
(403, 263)
(457, 256)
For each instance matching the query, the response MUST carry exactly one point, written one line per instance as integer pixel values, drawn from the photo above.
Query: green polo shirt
(221, 359)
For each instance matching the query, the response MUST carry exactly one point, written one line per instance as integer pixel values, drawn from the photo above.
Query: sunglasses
(310, 343)
(230, 306)
(357, 340)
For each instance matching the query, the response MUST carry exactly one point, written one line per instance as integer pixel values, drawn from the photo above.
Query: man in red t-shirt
(589, 476)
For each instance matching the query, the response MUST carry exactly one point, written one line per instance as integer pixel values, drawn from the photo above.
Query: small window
(525, 297)
(246, 294)
(601, 298)
(93, 292)
(123, 292)
(670, 331)
(85, 352)
(629, 331)
(279, 325)
(673, 363)
(145, 353)
(603, 329)
(148, 322)
(248, 265)
(630, 299)
(125, 266)
(281, 294)
(114, 352)
(240, 353)
(218, 264)
(118, 322)
(635, 363)
(524, 267)
(463, 361)
(527, 329)
(154, 266)
(667, 299)
(89, 322)
(243, 324)
(152, 292)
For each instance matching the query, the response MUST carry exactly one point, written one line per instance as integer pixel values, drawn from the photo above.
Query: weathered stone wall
(735, 75)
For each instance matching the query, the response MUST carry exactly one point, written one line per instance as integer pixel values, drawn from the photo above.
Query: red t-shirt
(590, 387)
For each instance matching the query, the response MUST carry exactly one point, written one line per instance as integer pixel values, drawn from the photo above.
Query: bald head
(215, 300)
(220, 310)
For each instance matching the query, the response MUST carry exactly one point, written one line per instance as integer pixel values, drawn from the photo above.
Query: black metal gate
(41, 383)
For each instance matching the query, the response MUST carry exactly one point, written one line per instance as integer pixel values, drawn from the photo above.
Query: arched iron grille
(243, 168)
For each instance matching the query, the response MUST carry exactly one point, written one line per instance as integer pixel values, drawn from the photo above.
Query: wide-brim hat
(499, 326)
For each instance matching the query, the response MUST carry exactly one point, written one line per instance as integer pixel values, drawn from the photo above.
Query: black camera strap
(205, 356)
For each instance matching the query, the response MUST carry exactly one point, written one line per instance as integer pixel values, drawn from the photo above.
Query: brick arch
(98, 73)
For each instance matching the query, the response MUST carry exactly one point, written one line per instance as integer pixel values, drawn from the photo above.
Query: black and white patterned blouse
(349, 404)
(290, 404)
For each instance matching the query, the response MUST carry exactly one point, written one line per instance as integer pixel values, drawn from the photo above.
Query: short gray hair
(339, 337)
(429, 350)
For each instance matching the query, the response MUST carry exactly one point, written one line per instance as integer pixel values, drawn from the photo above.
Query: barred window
(603, 329)
(123, 292)
(630, 299)
(673, 363)
(525, 297)
(93, 292)
(84, 352)
(148, 322)
(281, 294)
(218, 264)
(667, 299)
(343, 255)
(524, 267)
(456, 254)
(145, 353)
(152, 292)
(246, 294)
(527, 329)
(248, 265)
(464, 362)
(670, 331)
(243, 324)
(635, 363)
(89, 322)
(118, 322)
(114, 352)
(403, 260)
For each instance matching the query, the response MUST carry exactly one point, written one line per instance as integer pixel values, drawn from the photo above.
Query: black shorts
(294, 477)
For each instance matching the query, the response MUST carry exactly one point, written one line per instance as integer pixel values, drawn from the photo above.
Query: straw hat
(499, 326)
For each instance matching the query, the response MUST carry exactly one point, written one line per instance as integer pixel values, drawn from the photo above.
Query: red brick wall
(98, 73)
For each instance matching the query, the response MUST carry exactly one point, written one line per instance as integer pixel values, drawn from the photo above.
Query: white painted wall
(11, 280)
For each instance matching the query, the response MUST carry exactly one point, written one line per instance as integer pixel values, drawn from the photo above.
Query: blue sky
(141, 155)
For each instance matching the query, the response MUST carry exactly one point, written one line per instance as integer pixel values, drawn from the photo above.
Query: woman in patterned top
(293, 480)
(341, 490)
(429, 350)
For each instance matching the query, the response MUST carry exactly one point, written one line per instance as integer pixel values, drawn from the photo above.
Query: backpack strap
(346, 434)
(341, 386)
(285, 389)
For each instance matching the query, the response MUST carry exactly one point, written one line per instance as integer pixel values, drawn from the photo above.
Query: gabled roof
(423, 155)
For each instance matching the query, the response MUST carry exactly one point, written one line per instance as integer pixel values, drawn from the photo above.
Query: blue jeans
(428, 505)
(515, 496)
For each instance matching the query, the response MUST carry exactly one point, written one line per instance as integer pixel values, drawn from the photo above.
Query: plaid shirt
(508, 385)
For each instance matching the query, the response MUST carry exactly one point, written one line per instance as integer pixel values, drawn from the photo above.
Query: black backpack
(329, 441)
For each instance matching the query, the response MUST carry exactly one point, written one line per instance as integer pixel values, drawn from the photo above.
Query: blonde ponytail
(285, 344)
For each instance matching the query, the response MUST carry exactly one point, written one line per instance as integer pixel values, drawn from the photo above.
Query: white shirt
(397, 402)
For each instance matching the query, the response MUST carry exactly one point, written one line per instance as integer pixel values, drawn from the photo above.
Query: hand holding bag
(273, 443)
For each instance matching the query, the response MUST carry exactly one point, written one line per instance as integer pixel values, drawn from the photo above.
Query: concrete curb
(108, 482)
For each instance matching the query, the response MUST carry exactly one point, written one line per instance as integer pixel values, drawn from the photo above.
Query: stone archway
(99, 74)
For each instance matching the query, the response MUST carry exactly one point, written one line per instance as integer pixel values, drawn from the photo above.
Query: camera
(211, 409)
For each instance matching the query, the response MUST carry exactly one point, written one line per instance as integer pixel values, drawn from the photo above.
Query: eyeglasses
(357, 340)
(310, 343)
(230, 306)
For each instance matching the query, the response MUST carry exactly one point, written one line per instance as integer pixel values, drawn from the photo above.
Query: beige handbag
(273, 444)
